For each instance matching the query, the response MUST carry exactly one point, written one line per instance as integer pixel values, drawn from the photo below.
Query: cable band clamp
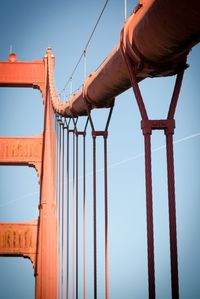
(168, 125)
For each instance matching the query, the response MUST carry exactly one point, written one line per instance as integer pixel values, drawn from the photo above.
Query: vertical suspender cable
(171, 189)
(106, 218)
(106, 204)
(62, 211)
(94, 217)
(60, 172)
(149, 210)
(84, 65)
(76, 214)
(73, 198)
(84, 210)
(59, 164)
(59, 203)
(11, 49)
(71, 87)
(67, 216)
(57, 197)
(84, 219)
(94, 135)
(94, 203)
(168, 126)
(125, 10)
(172, 217)
(148, 176)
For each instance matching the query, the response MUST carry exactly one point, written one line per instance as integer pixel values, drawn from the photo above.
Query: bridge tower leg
(37, 239)
(46, 262)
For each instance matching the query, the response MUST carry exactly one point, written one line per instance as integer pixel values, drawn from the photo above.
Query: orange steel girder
(22, 151)
(23, 74)
(19, 239)
(38, 239)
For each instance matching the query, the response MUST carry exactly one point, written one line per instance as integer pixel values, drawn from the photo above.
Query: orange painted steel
(156, 37)
(19, 239)
(15, 73)
(46, 267)
(37, 240)
(22, 151)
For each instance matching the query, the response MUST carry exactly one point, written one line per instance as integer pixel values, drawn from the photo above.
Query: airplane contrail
(19, 199)
(140, 155)
(110, 166)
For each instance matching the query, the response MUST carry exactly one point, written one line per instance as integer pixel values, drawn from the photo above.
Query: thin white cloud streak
(110, 166)
(141, 155)
(29, 195)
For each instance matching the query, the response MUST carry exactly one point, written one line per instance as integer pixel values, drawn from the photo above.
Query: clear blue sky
(30, 27)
